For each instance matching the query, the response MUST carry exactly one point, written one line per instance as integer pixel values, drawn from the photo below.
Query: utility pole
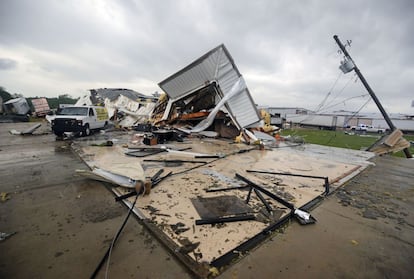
(370, 91)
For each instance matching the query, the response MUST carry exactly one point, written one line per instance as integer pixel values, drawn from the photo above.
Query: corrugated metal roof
(215, 66)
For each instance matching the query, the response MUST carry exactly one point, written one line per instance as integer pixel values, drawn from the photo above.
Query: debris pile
(390, 143)
(209, 94)
(126, 107)
(211, 197)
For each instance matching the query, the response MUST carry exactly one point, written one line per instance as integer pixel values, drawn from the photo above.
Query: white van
(80, 120)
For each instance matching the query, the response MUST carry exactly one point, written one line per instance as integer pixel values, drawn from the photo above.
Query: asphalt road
(64, 224)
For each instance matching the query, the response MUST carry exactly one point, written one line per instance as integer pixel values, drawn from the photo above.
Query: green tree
(61, 99)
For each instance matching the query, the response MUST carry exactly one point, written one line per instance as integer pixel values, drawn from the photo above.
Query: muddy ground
(64, 224)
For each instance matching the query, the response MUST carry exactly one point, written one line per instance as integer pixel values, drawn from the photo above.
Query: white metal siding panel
(243, 110)
(191, 79)
(242, 107)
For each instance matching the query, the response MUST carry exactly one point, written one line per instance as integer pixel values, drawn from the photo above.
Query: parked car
(80, 120)
(368, 129)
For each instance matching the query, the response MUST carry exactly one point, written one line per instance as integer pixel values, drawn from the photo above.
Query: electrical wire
(343, 101)
(322, 103)
(358, 111)
(341, 91)
(109, 258)
(117, 235)
(352, 116)
(108, 252)
(328, 94)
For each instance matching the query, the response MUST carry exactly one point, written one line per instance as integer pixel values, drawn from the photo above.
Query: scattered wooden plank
(393, 138)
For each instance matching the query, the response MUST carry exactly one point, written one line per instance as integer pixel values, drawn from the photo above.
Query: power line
(343, 101)
(319, 107)
(358, 111)
(342, 90)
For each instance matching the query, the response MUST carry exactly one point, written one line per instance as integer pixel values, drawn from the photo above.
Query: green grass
(340, 139)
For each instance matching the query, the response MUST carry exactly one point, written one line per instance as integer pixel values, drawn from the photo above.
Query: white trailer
(405, 125)
(330, 122)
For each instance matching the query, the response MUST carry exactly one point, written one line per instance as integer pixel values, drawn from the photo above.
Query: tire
(86, 130)
(59, 136)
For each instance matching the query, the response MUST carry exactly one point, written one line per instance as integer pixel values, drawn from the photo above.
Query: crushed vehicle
(80, 120)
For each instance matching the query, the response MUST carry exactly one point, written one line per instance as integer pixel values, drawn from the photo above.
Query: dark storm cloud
(284, 49)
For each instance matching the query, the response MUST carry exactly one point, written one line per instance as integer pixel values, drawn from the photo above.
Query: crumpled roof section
(215, 67)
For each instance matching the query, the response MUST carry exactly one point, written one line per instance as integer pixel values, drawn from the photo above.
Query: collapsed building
(206, 195)
(208, 86)
(127, 107)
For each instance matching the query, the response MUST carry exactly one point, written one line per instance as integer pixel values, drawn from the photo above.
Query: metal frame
(325, 178)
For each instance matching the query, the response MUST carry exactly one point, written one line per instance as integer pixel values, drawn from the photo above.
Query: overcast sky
(284, 49)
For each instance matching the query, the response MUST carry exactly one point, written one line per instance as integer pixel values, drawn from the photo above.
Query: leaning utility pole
(373, 96)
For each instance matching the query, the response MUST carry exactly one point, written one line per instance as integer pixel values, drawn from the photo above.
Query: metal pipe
(263, 200)
(173, 161)
(249, 194)
(227, 189)
(325, 178)
(266, 192)
(288, 174)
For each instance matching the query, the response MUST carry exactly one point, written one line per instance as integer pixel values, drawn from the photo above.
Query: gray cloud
(284, 49)
(7, 64)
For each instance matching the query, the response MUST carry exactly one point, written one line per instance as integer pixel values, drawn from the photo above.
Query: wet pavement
(364, 230)
(65, 223)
